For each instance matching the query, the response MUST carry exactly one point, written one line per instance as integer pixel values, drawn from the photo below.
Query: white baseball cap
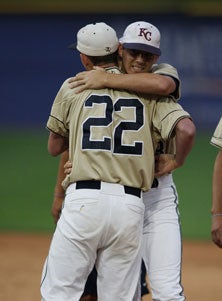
(97, 39)
(143, 36)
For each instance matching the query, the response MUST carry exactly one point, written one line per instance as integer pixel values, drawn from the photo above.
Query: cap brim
(142, 47)
(73, 46)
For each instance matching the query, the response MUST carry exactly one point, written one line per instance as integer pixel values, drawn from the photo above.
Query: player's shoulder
(161, 66)
(65, 82)
(64, 86)
(65, 93)
(167, 107)
(113, 69)
(219, 125)
(165, 69)
(120, 94)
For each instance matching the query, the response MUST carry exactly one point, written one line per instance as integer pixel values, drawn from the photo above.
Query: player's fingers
(76, 83)
(68, 164)
(213, 236)
(67, 168)
(219, 243)
(80, 74)
(67, 171)
(72, 79)
(72, 85)
(219, 238)
(216, 238)
(76, 78)
(80, 89)
(80, 86)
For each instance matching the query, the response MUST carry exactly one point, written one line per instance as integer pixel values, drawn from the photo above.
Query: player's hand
(57, 207)
(165, 164)
(68, 167)
(94, 79)
(216, 230)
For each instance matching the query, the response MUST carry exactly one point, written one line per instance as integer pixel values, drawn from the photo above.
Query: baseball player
(90, 291)
(161, 220)
(216, 210)
(107, 132)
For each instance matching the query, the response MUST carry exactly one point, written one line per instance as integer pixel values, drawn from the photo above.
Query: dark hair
(100, 60)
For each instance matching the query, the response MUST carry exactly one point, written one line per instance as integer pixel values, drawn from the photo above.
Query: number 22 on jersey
(128, 123)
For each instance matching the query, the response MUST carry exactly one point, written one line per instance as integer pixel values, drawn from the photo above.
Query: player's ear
(156, 57)
(120, 50)
(86, 61)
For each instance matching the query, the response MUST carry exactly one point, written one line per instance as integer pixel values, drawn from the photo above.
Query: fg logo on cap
(108, 49)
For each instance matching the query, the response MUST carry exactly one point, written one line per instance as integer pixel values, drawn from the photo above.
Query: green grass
(194, 182)
(27, 182)
(29, 174)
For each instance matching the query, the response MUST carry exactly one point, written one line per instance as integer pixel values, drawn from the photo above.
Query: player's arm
(147, 83)
(216, 210)
(185, 131)
(59, 192)
(57, 144)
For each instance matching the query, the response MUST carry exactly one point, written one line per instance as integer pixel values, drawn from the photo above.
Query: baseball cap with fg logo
(97, 39)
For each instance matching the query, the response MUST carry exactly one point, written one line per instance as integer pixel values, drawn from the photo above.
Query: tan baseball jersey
(167, 146)
(110, 133)
(216, 139)
(166, 69)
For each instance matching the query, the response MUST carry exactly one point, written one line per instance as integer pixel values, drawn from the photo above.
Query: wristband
(216, 214)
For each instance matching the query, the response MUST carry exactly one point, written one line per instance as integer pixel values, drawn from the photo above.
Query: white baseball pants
(102, 227)
(162, 241)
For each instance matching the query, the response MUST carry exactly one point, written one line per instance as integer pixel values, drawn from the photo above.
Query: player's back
(110, 138)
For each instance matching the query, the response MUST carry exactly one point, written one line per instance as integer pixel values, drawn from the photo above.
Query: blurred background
(34, 62)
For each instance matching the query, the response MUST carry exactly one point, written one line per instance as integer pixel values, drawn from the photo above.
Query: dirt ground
(22, 257)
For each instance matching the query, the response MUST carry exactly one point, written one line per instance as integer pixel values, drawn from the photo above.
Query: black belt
(91, 184)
